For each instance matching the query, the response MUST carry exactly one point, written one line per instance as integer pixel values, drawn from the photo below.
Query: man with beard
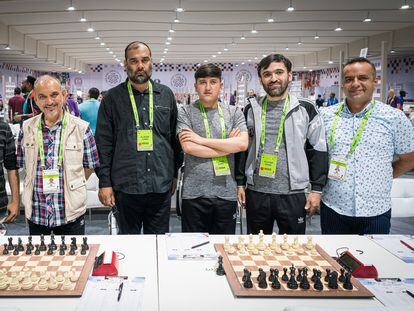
(30, 108)
(370, 143)
(287, 152)
(139, 152)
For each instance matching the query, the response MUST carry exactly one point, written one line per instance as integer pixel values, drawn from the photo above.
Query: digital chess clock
(356, 267)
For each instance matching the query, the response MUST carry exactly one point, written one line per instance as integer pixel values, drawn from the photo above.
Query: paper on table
(392, 243)
(101, 294)
(391, 293)
(179, 246)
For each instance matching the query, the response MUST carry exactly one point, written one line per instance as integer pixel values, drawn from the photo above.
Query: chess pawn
(240, 245)
(73, 275)
(267, 252)
(42, 285)
(226, 243)
(14, 283)
(295, 244)
(250, 246)
(53, 283)
(278, 250)
(59, 277)
(3, 280)
(255, 251)
(27, 283)
(5, 250)
(273, 245)
(309, 244)
(261, 246)
(19, 276)
(44, 275)
(231, 250)
(67, 284)
(34, 277)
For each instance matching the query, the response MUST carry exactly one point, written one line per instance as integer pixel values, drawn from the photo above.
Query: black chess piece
(285, 276)
(30, 244)
(315, 272)
(52, 242)
(248, 282)
(299, 276)
(50, 249)
(328, 272)
(74, 243)
(333, 280)
(28, 250)
(292, 284)
(61, 250)
(275, 283)
(318, 283)
(83, 249)
(220, 269)
(16, 251)
(20, 245)
(272, 275)
(63, 243)
(245, 274)
(42, 246)
(37, 251)
(263, 282)
(5, 250)
(342, 276)
(347, 283)
(261, 275)
(85, 242)
(72, 249)
(304, 282)
(292, 269)
(10, 246)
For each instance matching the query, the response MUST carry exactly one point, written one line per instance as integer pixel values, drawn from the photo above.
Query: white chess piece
(273, 244)
(42, 285)
(73, 275)
(285, 245)
(250, 245)
(3, 280)
(255, 251)
(261, 246)
(27, 283)
(295, 244)
(14, 282)
(227, 244)
(67, 284)
(59, 277)
(53, 284)
(34, 277)
(240, 245)
(310, 244)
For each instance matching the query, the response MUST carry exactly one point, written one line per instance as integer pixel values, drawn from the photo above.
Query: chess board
(317, 258)
(79, 265)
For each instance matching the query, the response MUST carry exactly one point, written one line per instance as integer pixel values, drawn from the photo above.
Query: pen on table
(201, 244)
(407, 245)
(121, 286)
(410, 293)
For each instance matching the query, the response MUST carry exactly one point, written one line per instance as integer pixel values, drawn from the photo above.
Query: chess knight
(59, 153)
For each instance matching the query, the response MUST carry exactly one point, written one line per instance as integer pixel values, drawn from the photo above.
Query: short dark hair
(277, 58)
(135, 45)
(31, 80)
(93, 93)
(403, 93)
(361, 60)
(208, 70)
(17, 91)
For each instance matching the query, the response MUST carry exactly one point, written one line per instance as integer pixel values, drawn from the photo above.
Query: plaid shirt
(49, 209)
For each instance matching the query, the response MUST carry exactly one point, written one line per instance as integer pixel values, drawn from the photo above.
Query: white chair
(402, 197)
(92, 200)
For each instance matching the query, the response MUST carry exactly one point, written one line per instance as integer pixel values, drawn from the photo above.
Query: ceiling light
(270, 20)
(392, 51)
(114, 56)
(83, 19)
(97, 37)
(167, 43)
(287, 48)
(166, 49)
(71, 7)
(171, 30)
(225, 49)
(80, 71)
(214, 56)
(90, 29)
(299, 42)
(254, 30)
(310, 70)
(169, 38)
(205, 60)
(330, 62)
(290, 8)
(242, 37)
(256, 58)
(338, 28)
(180, 8)
(367, 19)
(219, 52)
(249, 60)
(7, 47)
(102, 43)
(69, 68)
(242, 63)
(165, 52)
(405, 6)
(176, 19)
(110, 52)
(107, 49)
(316, 36)
(304, 67)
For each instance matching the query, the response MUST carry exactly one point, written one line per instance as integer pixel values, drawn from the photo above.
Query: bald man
(139, 151)
(59, 153)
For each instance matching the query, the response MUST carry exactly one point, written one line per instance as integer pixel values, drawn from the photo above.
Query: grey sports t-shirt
(199, 177)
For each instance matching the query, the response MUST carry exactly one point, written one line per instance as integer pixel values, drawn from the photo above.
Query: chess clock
(356, 267)
(106, 264)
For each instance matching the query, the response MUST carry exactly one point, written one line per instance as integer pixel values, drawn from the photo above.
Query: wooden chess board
(78, 265)
(235, 263)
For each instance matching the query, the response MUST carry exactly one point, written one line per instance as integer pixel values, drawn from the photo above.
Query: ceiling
(209, 30)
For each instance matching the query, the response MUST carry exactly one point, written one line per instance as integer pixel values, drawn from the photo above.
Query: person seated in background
(89, 109)
(370, 143)
(210, 133)
(332, 100)
(319, 101)
(392, 100)
(59, 154)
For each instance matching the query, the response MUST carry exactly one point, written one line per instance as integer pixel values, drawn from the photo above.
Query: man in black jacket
(138, 149)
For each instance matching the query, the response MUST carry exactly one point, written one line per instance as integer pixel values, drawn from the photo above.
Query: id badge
(268, 165)
(221, 166)
(50, 181)
(337, 169)
(144, 140)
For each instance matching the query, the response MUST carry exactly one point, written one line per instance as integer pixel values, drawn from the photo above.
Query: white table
(193, 285)
(140, 260)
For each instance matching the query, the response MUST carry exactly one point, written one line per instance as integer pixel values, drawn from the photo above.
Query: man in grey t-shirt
(210, 133)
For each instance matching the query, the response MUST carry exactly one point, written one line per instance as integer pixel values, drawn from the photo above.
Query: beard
(275, 90)
(139, 77)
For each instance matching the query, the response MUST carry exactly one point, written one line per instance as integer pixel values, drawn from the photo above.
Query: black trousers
(262, 209)
(150, 211)
(334, 223)
(212, 215)
(76, 227)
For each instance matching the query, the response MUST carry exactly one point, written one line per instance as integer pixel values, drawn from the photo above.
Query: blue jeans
(334, 223)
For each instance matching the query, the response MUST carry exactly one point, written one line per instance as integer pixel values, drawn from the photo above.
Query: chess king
(287, 152)
(58, 153)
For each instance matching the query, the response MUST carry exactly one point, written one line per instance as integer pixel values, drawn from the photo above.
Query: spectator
(319, 101)
(89, 109)
(332, 100)
(15, 105)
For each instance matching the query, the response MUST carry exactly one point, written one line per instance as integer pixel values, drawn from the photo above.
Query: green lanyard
(223, 126)
(281, 126)
(40, 139)
(357, 137)
(134, 106)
